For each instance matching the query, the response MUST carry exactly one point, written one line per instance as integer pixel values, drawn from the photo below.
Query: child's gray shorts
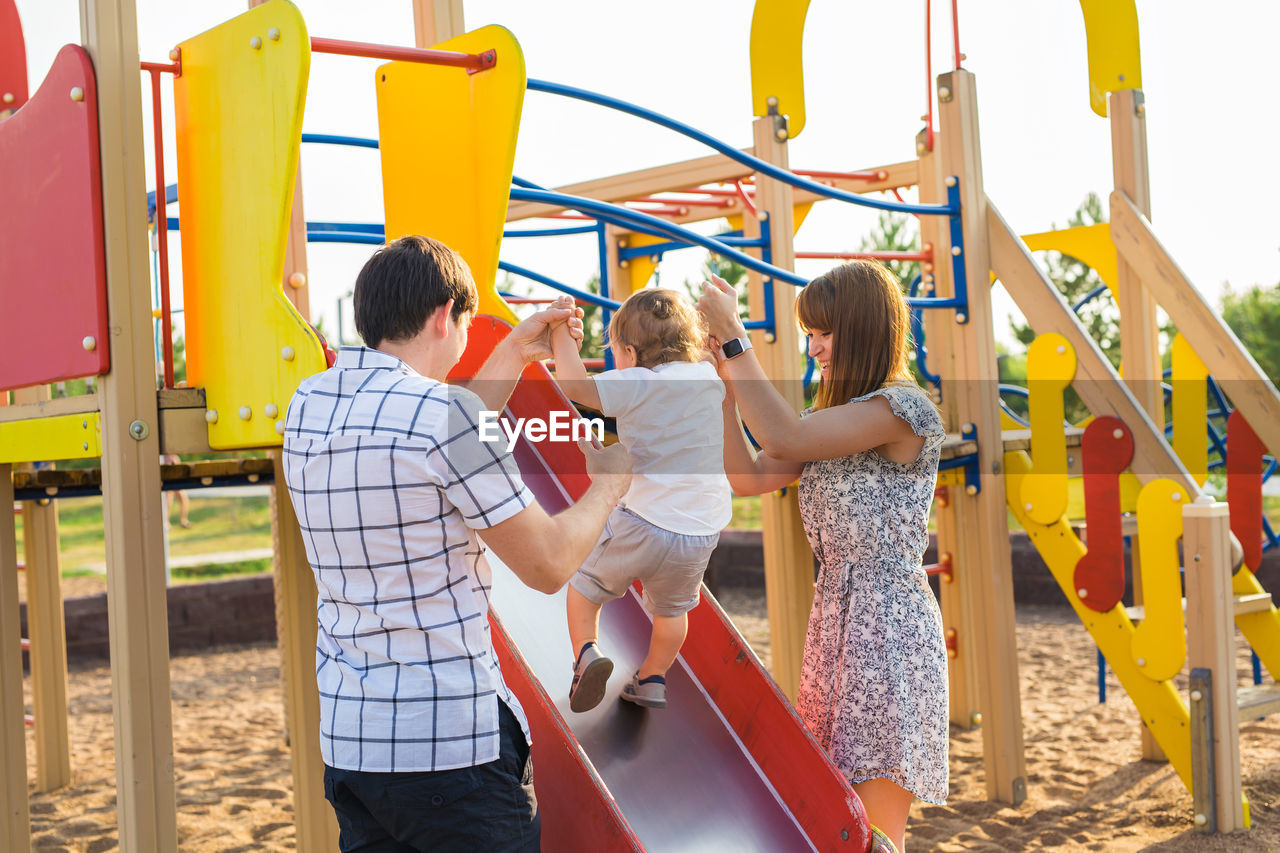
(669, 565)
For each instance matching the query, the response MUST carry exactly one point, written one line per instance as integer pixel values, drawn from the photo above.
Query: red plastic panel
(816, 793)
(1244, 487)
(13, 58)
(53, 283)
(578, 813)
(1107, 449)
(536, 392)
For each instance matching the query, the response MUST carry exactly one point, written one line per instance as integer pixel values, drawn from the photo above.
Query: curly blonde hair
(661, 326)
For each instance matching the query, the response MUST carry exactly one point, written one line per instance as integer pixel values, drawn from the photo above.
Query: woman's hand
(719, 304)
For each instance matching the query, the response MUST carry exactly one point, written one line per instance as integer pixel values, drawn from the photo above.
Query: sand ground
(1088, 790)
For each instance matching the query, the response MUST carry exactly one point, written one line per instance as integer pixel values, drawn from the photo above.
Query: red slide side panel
(1244, 486)
(577, 812)
(52, 270)
(535, 392)
(1107, 449)
(817, 794)
(13, 58)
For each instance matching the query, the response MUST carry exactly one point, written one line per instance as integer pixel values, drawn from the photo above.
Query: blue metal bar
(1257, 668)
(550, 232)
(756, 164)
(345, 237)
(917, 336)
(628, 217)
(555, 285)
(1088, 297)
(336, 139)
(349, 227)
(958, 277)
(1102, 677)
(1017, 391)
(602, 252)
(170, 196)
(672, 245)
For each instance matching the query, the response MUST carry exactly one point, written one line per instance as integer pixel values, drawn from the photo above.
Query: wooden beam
(616, 188)
(1097, 382)
(435, 21)
(986, 572)
(788, 561)
(963, 672)
(136, 604)
(1139, 331)
(1206, 543)
(1213, 341)
(50, 408)
(15, 827)
(46, 629)
(317, 826)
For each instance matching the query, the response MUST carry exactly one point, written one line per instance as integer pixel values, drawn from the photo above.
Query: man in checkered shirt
(424, 745)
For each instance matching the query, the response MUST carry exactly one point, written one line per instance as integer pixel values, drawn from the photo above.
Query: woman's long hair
(860, 303)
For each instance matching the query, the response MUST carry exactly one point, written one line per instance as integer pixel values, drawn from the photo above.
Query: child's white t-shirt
(669, 419)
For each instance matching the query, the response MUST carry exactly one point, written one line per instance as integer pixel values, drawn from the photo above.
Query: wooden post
(1206, 544)
(15, 818)
(939, 325)
(788, 561)
(986, 573)
(435, 21)
(136, 604)
(46, 629)
(317, 827)
(1139, 332)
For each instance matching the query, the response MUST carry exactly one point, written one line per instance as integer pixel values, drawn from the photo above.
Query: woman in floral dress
(873, 687)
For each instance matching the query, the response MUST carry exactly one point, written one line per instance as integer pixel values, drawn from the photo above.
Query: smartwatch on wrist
(736, 347)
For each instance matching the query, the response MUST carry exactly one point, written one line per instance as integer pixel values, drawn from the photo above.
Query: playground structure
(249, 344)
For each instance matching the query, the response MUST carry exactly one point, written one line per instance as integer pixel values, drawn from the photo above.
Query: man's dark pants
(482, 808)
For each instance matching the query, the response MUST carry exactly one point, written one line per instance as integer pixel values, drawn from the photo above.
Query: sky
(1209, 127)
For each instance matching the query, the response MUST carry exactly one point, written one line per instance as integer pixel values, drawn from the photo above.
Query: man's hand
(719, 304)
(608, 465)
(532, 336)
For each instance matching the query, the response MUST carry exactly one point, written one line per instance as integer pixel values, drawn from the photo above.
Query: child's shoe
(590, 678)
(651, 693)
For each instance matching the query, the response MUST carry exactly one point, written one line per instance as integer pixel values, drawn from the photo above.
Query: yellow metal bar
(777, 75)
(1190, 409)
(1051, 365)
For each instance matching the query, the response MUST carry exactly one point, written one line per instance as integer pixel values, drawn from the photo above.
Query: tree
(1254, 316)
(1074, 279)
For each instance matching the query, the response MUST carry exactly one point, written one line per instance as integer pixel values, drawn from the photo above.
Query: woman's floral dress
(873, 688)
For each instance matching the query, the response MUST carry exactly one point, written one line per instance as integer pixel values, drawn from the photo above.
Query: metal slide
(728, 765)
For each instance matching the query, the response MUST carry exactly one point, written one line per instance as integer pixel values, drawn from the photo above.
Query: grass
(217, 524)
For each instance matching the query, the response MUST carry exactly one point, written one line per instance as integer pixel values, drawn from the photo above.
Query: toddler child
(666, 398)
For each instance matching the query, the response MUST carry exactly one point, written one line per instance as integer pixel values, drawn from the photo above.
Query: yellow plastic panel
(238, 106)
(798, 214)
(1111, 29)
(448, 142)
(1190, 380)
(1160, 642)
(59, 437)
(1088, 243)
(639, 270)
(1051, 365)
(1160, 705)
(777, 32)
(1261, 629)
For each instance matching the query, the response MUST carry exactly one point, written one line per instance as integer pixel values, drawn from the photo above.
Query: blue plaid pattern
(390, 481)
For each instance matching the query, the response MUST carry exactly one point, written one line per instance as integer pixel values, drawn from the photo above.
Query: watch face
(732, 348)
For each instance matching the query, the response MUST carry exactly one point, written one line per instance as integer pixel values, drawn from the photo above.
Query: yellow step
(1255, 603)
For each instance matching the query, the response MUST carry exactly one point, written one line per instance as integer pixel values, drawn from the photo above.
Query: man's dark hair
(404, 283)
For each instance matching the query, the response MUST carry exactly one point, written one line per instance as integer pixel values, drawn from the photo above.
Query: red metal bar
(942, 567)
(955, 31)
(26, 644)
(878, 175)
(451, 58)
(714, 191)
(163, 67)
(663, 211)
(528, 300)
(29, 720)
(869, 256)
(746, 199)
(696, 202)
(162, 230)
